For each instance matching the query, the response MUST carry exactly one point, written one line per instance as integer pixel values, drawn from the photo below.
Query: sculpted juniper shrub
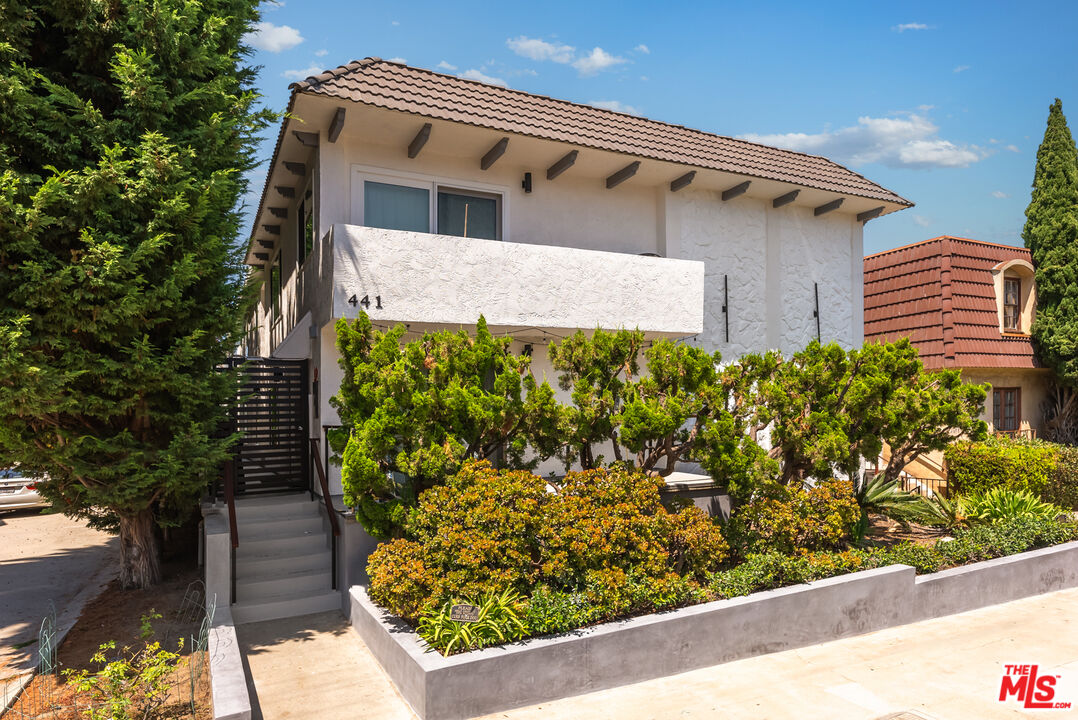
(604, 533)
(786, 519)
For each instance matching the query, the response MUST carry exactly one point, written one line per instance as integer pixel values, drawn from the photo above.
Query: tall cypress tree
(125, 130)
(1051, 234)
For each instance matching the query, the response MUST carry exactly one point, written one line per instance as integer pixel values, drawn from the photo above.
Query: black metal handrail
(325, 488)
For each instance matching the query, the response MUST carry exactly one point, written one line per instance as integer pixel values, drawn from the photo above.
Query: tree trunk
(140, 556)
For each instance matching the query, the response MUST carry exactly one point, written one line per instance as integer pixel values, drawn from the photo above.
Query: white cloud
(321, 53)
(905, 142)
(400, 60)
(912, 26)
(922, 220)
(615, 105)
(925, 108)
(537, 49)
(999, 194)
(596, 61)
(395, 23)
(481, 77)
(1012, 148)
(961, 68)
(443, 65)
(643, 78)
(302, 74)
(273, 38)
(643, 49)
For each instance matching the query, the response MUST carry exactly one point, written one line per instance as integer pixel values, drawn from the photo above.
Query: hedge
(1017, 464)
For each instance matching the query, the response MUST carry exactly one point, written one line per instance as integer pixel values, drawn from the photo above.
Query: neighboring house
(428, 199)
(966, 305)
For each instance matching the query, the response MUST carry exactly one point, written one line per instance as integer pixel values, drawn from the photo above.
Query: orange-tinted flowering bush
(604, 532)
(786, 519)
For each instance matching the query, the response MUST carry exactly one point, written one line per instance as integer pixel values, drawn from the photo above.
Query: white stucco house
(428, 199)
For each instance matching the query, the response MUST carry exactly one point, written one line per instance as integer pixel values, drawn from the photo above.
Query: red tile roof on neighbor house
(940, 294)
(394, 86)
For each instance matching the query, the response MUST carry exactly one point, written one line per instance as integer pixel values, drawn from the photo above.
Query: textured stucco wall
(771, 260)
(815, 251)
(450, 280)
(730, 239)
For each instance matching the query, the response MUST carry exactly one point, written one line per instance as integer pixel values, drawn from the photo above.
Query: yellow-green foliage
(486, 531)
(1016, 464)
(786, 519)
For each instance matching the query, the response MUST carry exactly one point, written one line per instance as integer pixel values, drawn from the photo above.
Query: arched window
(1015, 296)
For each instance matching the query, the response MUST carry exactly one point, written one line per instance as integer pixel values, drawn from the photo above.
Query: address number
(366, 302)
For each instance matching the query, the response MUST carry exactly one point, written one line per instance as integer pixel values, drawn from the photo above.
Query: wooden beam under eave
(272, 229)
(562, 165)
(682, 182)
(622, 175)
(870, 214)
(731, 193)
(264, 257)
(285, 191)
(268, 244)
(785, 199)
(828, 207)
(309, 139)
(295, 168)
(279, 212)
(494, 153)
(419, 140)
(336, 125)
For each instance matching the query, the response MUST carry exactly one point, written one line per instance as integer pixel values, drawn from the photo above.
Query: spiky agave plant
(1003, 503)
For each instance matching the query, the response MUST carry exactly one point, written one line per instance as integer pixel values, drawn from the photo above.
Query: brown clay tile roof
(952, 317)
(390, 85)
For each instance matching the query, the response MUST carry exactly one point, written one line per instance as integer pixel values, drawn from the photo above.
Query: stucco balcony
(398, 276)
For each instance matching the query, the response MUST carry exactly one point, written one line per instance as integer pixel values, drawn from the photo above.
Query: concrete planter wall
(642, 648)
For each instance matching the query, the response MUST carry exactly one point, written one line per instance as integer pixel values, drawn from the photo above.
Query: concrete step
(259, 509)
(283, 562)
(249, 549)
(281, 606)
(310, 582)
(279, 527)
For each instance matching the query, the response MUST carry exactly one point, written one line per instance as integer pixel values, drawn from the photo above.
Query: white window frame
(432, 184)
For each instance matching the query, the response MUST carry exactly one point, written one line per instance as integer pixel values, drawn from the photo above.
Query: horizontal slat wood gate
(271, 415)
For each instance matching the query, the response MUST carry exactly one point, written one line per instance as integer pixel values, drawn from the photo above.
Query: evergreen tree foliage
(1051, 234)
(415, 412)
(125, 130)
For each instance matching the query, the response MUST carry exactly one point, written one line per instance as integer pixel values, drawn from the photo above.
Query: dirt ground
(885, 531)
(116, 615)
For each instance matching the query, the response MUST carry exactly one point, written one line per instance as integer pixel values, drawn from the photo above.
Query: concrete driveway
(46, 558)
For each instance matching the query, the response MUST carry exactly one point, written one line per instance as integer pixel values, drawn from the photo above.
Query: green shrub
(555, 611)
(771, 570)
(499, 622)
(1004, 537)
(486, 531)
(1016, 464)
(1062, 488)
(1003, 503)
(787, 519)
(923, 558)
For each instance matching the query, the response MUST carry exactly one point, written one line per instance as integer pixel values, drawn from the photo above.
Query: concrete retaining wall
(628, 651)
(228, 684)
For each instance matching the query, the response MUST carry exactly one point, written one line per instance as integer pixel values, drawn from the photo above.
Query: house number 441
(366, 302)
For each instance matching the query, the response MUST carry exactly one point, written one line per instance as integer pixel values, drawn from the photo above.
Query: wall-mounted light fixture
(527, 183)
(528, 348)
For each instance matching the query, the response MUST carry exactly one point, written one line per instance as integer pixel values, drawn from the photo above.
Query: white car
(18, 491)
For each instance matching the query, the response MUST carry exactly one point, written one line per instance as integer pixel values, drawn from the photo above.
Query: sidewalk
(945, 669)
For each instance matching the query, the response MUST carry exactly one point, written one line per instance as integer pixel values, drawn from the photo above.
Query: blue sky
(944, 103)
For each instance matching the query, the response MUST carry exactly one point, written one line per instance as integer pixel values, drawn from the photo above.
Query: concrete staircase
(284, 559)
